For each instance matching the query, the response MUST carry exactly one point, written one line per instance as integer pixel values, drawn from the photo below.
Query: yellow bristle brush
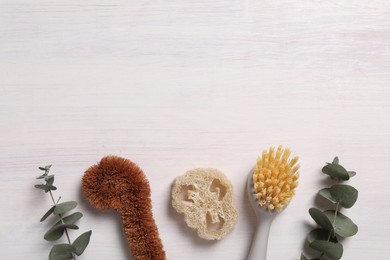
(270, 188)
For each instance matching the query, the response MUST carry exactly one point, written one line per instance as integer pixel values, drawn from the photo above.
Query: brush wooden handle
(119, 184)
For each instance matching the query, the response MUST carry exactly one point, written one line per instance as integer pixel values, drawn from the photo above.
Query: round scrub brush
(120, 184)
(270, 188)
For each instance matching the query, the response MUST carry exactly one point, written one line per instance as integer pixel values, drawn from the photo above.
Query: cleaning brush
(120, 184)
(270, 188)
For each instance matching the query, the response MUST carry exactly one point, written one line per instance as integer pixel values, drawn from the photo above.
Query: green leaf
(351, 173)
(71, 226)
(303, 257)
(64, 207)
(336, 171)
(45, 187)
(325, 193)
(58, 228)
(46, 168)
(332, 250)
(345, 194)
(82, 242)
(344, 226)
(320, 234)
(56, 231)
(320, 218)
(42, 176)
(61, 252)
(71, 219)
(48, 213)
(336, 160)
(49, 180)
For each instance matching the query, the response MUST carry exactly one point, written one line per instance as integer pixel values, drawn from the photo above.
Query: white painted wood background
(174, 85)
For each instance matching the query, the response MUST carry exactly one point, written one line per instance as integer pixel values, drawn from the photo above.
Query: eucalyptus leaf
(48, 213)
(343, 226)
(332, 250)
(320, 234)
(71, 219)
(325, 193)
(56, 231)
(61, 252)
(303, 257)
(351, 173)
(64, 207)
(320, 218)
(71, 226)
(45, 187)
(336, 160)
(82, 242)
(336, 171)
(345, 194)
(49, 180)
(42, 176)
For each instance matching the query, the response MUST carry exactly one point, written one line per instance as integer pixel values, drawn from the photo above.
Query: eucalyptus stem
(333, 224)
(62, 221)
(67, 236)
(335, 215)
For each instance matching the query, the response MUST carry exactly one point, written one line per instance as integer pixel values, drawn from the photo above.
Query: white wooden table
(174, 85)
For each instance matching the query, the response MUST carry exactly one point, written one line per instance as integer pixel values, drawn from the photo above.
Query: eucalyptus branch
(333, 224)
(62, 251)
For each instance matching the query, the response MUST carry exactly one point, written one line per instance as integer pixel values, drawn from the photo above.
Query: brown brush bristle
(120, 184)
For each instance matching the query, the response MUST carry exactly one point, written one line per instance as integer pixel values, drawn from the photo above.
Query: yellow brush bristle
(275, 178)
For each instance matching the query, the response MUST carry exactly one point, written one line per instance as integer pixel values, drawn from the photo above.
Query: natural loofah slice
(120, 184)
(205, 197)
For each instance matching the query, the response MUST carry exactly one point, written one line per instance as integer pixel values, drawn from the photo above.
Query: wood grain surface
(174, 85)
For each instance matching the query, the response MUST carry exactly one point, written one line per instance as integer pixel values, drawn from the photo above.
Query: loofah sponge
(119, 184)
(275, 177)
(205, 197)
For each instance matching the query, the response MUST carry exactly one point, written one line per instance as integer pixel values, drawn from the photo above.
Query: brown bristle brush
(120, 184)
